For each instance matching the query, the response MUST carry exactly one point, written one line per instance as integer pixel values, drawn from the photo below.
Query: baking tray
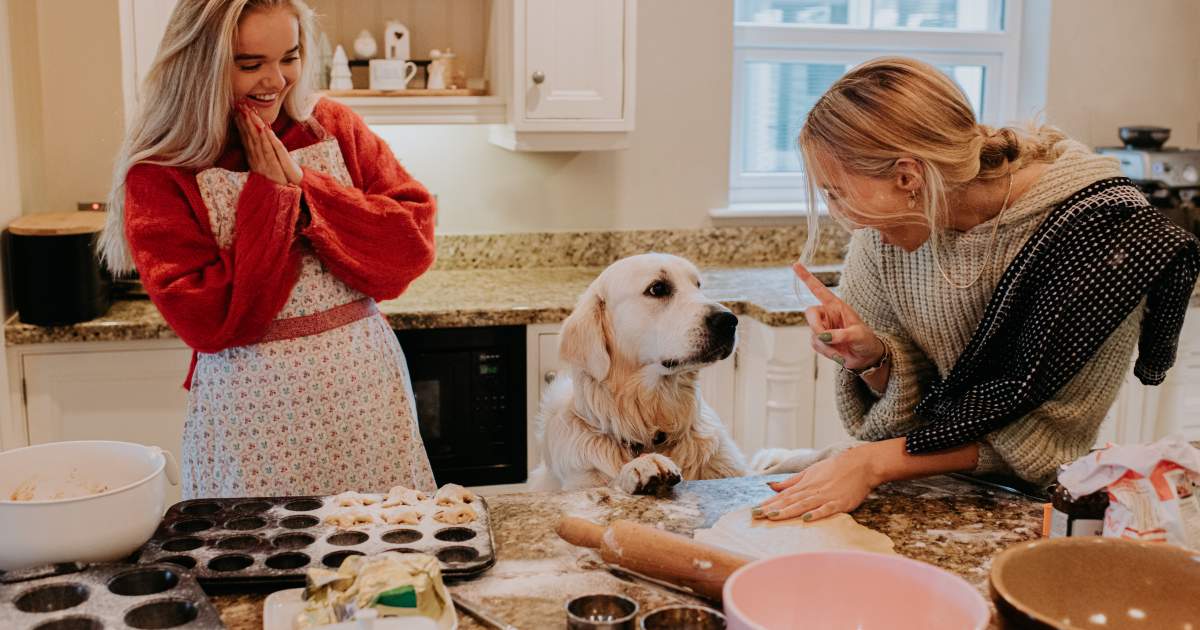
(111, 596)
(269, 543)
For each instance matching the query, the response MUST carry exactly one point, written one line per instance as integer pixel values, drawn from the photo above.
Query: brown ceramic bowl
(1094, 582)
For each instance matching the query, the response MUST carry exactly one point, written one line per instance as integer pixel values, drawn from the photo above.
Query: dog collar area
(660, 438)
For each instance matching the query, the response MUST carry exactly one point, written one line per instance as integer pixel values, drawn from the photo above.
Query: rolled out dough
(761, 538)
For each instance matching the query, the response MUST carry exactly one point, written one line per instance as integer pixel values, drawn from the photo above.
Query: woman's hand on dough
(838, 333)
(838, 484)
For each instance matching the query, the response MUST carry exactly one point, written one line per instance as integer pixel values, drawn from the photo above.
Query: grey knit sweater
(926, 324)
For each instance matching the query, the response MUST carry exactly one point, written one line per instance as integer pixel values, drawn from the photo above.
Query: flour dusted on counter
(1151, 489)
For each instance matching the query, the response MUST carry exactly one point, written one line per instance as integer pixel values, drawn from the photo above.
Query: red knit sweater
(376, 237)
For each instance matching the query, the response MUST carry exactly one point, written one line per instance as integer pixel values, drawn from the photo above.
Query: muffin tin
(109, 596)
(269, 543)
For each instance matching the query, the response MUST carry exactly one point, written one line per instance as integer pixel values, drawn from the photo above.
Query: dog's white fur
(633, 363)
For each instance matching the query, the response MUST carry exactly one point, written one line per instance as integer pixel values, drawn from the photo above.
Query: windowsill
(762, 210)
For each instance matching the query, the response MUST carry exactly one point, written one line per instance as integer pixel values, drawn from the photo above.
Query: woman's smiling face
(266, 60)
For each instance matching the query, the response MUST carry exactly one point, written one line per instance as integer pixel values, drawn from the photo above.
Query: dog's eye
(659, 289)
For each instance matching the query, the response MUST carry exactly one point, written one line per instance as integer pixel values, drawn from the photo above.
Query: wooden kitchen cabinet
(563, 88)
(562, 72)
(123, 391)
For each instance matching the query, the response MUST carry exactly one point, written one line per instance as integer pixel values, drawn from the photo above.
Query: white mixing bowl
(100, 527)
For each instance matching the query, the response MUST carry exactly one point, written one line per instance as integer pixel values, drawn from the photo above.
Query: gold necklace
(991, 244)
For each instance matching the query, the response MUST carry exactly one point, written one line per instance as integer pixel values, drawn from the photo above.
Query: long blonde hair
(894, 107)
(182, 119)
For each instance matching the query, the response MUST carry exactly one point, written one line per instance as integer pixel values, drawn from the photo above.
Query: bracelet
(871, 369)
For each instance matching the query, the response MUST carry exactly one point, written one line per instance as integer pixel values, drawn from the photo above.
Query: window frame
(782, 194)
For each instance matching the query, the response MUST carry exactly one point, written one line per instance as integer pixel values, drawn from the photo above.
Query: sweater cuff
(869, 416)
(990, 461)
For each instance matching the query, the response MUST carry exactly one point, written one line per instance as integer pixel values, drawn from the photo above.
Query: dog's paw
(649, 474)
(768, 458)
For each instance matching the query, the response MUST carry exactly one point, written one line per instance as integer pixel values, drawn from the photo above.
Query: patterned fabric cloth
(1081, 274)
(313, 415)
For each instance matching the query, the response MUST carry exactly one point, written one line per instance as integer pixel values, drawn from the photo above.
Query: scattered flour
(551, 579)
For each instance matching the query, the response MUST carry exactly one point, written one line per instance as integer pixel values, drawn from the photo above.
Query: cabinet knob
(538, 77)
(549, 376)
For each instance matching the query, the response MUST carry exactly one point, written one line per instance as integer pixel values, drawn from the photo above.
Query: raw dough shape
(405, 516)
(399, 495)
(455, 515)
(761, 538)
(344, 519)
(453, 494)
(352, 499)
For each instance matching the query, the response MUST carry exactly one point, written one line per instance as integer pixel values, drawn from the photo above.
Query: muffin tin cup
(108, 596)
(269, 543)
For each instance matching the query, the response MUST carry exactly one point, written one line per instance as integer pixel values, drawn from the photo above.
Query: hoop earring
(912, 199)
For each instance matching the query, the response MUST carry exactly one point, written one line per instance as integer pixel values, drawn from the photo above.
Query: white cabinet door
(573, 59)
(143, 23)
(129, 396)
(718, 386)
(827, 422)
(1178, 398)
(775, 385)
(568, 74)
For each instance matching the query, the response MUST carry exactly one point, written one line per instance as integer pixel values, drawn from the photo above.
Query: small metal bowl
(601, 611)
(683, 618)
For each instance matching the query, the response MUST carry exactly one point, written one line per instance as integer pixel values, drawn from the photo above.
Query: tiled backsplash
(723, 246)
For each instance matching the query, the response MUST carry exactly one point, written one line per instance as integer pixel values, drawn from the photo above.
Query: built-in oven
(469, 385)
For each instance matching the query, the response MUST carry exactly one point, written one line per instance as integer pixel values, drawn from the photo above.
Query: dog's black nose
(721, 323)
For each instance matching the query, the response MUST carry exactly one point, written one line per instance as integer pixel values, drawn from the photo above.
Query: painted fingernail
(756, 512)
(772, 513)
(825, 337)
(807, 516)
(839, 360)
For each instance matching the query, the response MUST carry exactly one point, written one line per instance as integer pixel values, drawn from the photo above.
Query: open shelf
(419, 106)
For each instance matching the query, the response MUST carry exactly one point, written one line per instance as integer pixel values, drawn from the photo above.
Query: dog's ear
(584, 342)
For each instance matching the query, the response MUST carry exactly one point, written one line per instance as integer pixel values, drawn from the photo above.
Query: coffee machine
(1168, 176)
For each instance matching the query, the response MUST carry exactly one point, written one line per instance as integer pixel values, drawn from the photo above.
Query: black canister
(57, 278)
(1083, 516)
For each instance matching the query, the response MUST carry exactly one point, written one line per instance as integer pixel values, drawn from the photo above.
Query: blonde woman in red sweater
(265, 224)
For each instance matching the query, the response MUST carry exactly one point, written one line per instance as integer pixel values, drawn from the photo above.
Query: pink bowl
(850, 589)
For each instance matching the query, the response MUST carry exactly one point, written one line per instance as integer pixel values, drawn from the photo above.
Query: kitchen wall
(675, 170)
(11, 163)
(1111, 62)
(67, 60)
(1115, 62)
(10, 186)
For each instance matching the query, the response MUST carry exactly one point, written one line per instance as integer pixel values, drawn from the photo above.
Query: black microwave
(469, 385)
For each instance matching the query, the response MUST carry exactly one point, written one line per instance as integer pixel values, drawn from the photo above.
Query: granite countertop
(955, 525)
(476, 297)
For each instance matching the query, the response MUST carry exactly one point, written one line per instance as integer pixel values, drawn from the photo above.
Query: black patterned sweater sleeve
(1091, 262)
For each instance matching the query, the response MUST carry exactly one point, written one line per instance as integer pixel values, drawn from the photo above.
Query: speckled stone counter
(478, 297)
(952, 524)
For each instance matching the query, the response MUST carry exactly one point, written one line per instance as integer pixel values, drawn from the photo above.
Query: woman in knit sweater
(264, 226)
(944, 341)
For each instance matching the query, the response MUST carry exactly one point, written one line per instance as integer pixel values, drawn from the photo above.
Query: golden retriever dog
(627, 410)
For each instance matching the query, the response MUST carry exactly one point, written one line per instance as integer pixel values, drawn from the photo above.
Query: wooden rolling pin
(657, 553)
